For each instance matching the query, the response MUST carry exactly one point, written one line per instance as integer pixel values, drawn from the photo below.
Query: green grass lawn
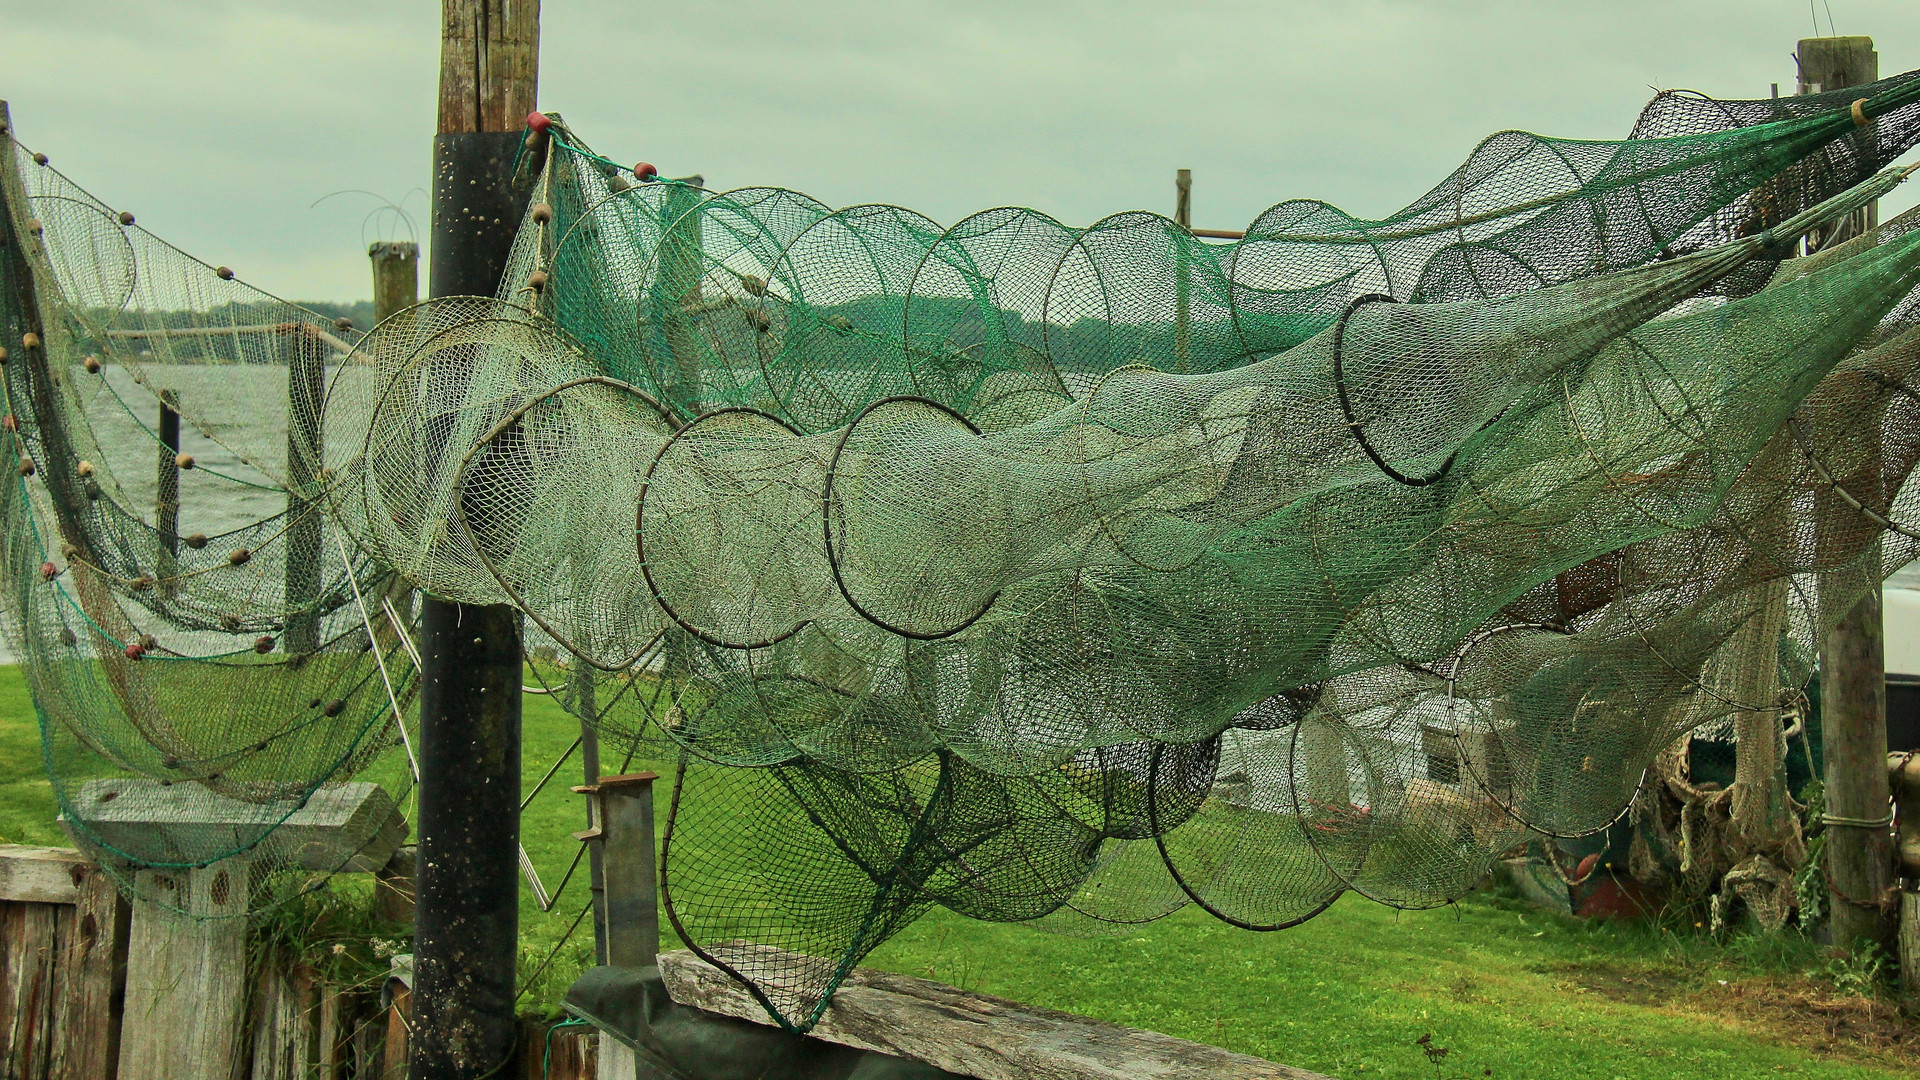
(1502, 987)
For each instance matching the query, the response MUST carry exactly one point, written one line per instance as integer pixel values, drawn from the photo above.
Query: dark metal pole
(466, 915)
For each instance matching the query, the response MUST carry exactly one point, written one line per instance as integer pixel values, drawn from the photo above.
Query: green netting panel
(187, 619)
(1242, 620)
(768, 299)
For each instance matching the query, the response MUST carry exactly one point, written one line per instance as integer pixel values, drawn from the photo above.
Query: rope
(399, 720)
(1857, 823)
(546, 1058)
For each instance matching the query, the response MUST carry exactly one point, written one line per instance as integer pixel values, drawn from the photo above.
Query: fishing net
(188, 620)
(1054, 574)
(952, 598)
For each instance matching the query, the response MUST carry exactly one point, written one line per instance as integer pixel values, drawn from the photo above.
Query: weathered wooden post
(581, 689)
(1853, 681)
(1183, 270)
(166, 499)
(396, 277)
(627, 909)
(306, 353)
(466, 914)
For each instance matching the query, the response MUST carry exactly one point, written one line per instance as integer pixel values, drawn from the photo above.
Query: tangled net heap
(1079, 574)
(955, 599)
(190, 634)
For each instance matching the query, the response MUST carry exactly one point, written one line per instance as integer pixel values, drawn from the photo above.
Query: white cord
(399, 720)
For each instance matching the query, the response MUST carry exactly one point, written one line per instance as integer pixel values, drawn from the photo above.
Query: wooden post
(682, 268)
(306, 356)
(396, 277)
(632, 892)
(187, 974)
(166, 500)
(1853, 681)
(1183, 270)
(466, 910)
(580, 676)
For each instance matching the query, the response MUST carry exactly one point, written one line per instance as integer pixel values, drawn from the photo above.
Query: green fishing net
(1043, 573)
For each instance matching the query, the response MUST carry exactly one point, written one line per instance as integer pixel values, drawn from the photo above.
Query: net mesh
(182, 607)
(1052, 574)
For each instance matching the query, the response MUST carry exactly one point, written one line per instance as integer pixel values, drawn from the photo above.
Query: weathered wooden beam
(42, 875)
(351, 827)
(972, 1034)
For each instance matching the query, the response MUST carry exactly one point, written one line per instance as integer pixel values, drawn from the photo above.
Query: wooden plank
(1909, 951)
(187, 975)
(91, 982)
(26, 1009)
(351, 827)
(42, 875)
(972, 1034)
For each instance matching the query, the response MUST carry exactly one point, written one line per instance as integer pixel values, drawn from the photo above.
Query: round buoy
(645, 172)
(196, 541)
(343, 324)
(263, 644)
(126, 218)
(542, 213)
(92, 364)
(335, 707)
(537, 280)
(184, 461)
(30, 340)
(134, 651)
(26, 465)
(39, 159)
(239, 556)
(10, 422)
(34, 227)
(142, 583)
(48, 571)
(85, 468)
(3, 354)
(539, 122)
(224, 273)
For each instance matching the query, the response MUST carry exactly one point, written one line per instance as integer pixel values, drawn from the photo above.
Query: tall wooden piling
(466, 915)
(1853, 681)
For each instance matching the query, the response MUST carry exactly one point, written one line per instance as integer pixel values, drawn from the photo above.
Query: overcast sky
(219, 123)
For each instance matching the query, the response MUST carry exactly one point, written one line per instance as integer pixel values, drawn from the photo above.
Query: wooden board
(352, 827)
(90, 981)
(42, 875)
(27, 958)
(972, 1034)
